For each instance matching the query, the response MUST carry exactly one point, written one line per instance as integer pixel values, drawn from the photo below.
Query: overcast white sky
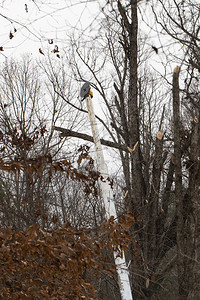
(37, 23)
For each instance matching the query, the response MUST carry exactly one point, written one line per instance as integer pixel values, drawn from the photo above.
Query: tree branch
(67, 132)
(123, 15)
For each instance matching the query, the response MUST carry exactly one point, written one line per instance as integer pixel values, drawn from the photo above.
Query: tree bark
(178, 183)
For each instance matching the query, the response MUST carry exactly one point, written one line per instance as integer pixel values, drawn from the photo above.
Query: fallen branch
(67, 132)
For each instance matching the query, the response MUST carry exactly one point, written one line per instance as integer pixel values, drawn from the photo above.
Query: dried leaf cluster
(41, 264)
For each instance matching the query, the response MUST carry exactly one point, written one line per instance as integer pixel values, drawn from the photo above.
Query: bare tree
(180, 22)
(139, 120)
(158, 146)
(26, 115)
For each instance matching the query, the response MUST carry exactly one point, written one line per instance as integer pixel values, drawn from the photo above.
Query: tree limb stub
(67, 132)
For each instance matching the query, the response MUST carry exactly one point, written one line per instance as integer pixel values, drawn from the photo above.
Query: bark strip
(178, 180)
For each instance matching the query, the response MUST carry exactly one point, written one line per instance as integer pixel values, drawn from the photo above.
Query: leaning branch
(83, 110)
(67, 132)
